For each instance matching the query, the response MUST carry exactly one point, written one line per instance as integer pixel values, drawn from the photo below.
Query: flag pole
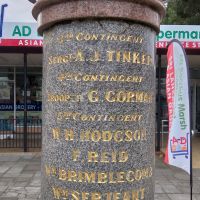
(191, 132)
(191, 174)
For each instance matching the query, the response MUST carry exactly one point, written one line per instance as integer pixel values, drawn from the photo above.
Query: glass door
(198, 108)
(7, 105)
(195, 105)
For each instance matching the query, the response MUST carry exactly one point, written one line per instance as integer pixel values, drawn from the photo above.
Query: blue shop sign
(20, 107)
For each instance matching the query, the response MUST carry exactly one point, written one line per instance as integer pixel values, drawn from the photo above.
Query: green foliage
(183, 12)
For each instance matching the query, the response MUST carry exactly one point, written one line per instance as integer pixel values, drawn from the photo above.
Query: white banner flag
(177, 90)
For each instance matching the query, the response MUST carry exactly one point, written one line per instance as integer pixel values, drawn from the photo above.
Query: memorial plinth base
(98, 113)
(98, 98)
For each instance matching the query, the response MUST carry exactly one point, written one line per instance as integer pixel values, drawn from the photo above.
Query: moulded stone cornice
(50, 12)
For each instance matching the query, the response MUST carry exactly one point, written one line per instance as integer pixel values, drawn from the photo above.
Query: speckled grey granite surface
(66, 39)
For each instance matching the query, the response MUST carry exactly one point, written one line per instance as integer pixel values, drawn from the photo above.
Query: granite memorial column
(98, 98)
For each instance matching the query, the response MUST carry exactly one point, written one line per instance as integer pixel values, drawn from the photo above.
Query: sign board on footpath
(177, 89)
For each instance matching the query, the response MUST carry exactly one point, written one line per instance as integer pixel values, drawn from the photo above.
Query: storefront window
(6, 92)
(34, 92)
(34, 88)
(198, 109)
(12, 87)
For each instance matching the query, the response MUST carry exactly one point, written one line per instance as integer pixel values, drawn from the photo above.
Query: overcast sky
(18, 11)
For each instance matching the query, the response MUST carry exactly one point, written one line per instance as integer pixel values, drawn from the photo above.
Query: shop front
(189, 35)
(21, 76)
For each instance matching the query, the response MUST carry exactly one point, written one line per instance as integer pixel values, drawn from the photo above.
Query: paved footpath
(20, 179)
